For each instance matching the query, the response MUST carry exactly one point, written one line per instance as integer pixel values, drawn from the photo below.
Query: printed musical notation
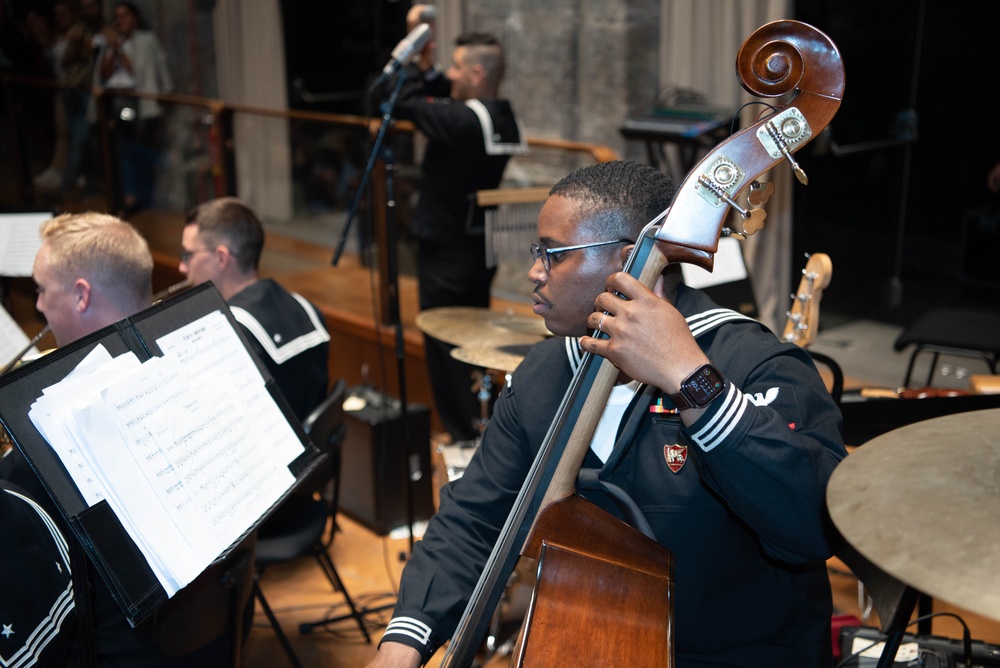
(19, 241)
(182, 447)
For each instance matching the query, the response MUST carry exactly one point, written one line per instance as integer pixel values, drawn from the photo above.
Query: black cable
(966, 634)
(858, 653)
(966, 639)
(736, 116)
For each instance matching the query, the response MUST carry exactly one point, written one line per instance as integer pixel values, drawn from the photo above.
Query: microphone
(408, 46)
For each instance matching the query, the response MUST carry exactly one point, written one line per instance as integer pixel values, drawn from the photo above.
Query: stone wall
(576, 68)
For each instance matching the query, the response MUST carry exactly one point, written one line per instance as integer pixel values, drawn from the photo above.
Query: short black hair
(477, 38)
(631, 193)
(230, 222)
(487, 50)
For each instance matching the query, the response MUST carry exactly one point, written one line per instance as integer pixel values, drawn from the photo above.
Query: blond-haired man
(92, 270)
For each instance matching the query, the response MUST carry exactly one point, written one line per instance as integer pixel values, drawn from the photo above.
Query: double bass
(604, 590)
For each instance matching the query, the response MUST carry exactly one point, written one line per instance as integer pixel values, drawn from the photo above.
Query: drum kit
(496, 341)
(922, 502)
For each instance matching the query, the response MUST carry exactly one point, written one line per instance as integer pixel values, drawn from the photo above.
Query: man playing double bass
(730, 473)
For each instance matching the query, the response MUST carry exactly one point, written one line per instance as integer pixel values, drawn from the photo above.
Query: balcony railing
(299, 170)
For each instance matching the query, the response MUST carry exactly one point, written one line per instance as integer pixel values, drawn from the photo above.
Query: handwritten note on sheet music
(182, 447)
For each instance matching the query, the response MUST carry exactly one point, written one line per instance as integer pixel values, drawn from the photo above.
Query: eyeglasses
(540, 252)
(186, 254)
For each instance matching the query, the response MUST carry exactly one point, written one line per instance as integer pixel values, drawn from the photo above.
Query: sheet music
(50, 416)
(12, 339)
(19, 242)
(198, 458)
(211, 347)
(179, 446)
(729, 267)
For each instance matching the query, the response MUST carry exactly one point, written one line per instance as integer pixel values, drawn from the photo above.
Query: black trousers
(453, 274)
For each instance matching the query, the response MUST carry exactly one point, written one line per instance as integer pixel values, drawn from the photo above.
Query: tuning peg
(760, 193)
(753, 219)
(754, 222)
(778, 137)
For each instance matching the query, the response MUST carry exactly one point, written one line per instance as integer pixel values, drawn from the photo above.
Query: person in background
(93, 270)
(472, 132)
(222, 242)
(133, 59)
(76, 67)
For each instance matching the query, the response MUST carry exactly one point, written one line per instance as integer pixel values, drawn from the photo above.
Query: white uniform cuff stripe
(408, 626)
(723, 422)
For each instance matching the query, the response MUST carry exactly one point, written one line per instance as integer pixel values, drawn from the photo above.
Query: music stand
(97, 533)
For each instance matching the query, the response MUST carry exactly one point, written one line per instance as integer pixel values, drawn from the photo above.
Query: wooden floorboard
(370, 564)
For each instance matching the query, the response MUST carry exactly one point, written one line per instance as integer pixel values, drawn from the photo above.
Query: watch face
(703, 385)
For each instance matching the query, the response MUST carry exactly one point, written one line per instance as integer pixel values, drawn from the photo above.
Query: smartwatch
(699, 389)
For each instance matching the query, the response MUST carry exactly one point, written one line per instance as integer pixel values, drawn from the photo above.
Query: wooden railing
(221, 147)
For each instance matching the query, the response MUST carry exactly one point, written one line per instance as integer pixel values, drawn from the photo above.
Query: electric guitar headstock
(803, 318)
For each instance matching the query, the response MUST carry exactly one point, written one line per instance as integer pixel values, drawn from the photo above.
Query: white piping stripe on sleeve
(720, 426)
(727, 402)
(704, 322)
(486, 122)
(408, 626)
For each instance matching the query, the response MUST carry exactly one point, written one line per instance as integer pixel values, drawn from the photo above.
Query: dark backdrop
(889, 265)
(334, 48)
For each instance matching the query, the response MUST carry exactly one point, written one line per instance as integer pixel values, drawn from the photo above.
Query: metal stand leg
(282, 638)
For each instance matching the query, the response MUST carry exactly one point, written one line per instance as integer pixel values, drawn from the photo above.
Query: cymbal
(471, 326)
(522, 324)
(502, 358)
(922, 501)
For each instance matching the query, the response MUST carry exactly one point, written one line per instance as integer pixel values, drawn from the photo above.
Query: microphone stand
(410, 463)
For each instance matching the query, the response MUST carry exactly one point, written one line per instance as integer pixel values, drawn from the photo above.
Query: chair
(837, 384)
(297, 528)
(954, 331)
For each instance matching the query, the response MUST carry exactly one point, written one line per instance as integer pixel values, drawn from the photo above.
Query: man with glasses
(93, 270)
(744, 519)
(222, 243)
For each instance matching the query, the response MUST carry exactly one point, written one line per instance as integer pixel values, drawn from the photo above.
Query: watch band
(699, 389)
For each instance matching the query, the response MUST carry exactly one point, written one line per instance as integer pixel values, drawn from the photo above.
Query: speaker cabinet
(375, 469)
